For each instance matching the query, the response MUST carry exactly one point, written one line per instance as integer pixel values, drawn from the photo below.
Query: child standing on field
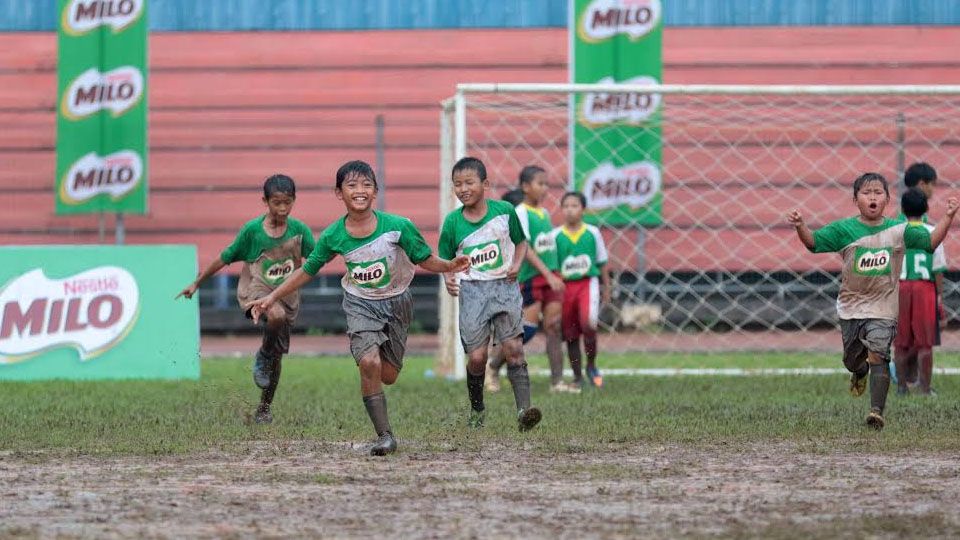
(871, 247)
(583, 264)
(918, 329)
(921, 292)
(540, 285)
(271, 247)
(380, 251)
(489, 233)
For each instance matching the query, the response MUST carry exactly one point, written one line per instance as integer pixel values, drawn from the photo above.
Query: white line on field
(732, 372)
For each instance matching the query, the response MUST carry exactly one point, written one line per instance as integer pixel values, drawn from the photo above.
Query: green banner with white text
(101, 107)
(615, 137)
(98, 312)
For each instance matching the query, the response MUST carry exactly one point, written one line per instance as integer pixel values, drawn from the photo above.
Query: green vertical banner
(615, 137)
(101, 107)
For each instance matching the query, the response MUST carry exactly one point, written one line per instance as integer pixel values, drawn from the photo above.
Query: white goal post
(719, 269)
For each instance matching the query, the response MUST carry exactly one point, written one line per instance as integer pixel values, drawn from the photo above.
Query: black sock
(879, 385)
(520, 379)
(266, 395)
(573, 351)
(475, 390)
(377, 409)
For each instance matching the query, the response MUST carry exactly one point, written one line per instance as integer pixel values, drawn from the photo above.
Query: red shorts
(918, 324)
(536, 289)
(581, 308)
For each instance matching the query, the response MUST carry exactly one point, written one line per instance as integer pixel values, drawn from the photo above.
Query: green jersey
(582, 253)
(490, 243)
(871, 263)
(380, 265)
(918, 265)
(538, 228)
(267, 261)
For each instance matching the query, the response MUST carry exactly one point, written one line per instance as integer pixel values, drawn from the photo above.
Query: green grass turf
(318, 400)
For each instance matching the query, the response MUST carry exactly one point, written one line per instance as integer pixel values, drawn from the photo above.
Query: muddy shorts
(863, 335)
(379, 323)
(489, 308)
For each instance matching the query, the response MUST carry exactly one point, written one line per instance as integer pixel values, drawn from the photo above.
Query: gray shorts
(379, 323)
(489, 307)
(863, 335)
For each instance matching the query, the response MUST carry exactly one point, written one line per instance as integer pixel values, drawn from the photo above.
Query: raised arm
(804, 232)
(940, 231)
(215, 266)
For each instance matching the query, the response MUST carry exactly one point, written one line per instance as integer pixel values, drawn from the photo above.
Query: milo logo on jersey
(603, 19)
(274, 272)
(575, 266)
(92, 91)
(872, 261)
(370, 275)
(545, 242)
(484, 257)
(82, 16)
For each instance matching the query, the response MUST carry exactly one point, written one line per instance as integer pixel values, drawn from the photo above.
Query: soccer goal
(690, 185)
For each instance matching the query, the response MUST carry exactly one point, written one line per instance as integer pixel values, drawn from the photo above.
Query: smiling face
(872, 200)
(357, 192)
(468, 187)
(279, 205)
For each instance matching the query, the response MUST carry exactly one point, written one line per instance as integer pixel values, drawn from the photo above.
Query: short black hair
(577, 195)
(870, 177)
(528, 172)
(355, 167)
(470, 164)
(514, 196)
(913, 203)
(279, 183)
(919, 172)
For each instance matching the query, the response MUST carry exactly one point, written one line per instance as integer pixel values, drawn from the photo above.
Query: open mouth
(873, 206)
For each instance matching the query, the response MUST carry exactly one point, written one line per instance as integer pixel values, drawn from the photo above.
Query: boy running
(920, 302)
(583, 259)
(871, 247)
(489, 233)
(271, 247)
(540, 287)
(913, 347)
(380, 251)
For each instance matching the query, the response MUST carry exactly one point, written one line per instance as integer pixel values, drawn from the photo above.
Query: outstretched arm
(940, 231)
(442, 266)
(804, 232)
(215, 266)
(297, 279)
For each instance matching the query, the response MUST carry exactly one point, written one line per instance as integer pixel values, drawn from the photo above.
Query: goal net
(701, 254)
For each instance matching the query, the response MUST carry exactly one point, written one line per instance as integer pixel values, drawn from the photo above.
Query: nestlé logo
(91, 311)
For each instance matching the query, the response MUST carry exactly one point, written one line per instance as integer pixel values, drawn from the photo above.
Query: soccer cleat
(594, 377)
(263, 415)
(477, 419)
(492, 380)
(262, 370)
(527, 419)
(858, 384)
(875, 420)
(385, 444)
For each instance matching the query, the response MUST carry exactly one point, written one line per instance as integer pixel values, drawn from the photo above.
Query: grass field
(672, 456)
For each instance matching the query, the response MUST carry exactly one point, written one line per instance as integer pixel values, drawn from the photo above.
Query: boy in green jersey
(489, 233)
(582, 255)
(381, 251)
(871, 247)
(271, 247)
(540, 286)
